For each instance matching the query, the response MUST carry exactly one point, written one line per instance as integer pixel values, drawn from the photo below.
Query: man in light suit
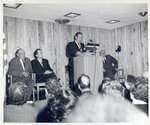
(41, 67)
(74, 49)
(110, 65)
(21, 70)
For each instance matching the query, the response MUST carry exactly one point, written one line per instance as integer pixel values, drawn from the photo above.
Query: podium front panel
(91, 66)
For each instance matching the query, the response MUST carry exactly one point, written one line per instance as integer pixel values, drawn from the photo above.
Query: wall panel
(52, 38)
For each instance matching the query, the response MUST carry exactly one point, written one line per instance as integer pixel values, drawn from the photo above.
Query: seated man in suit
(83, 85)
(21, 70)
(110, 65)
(74, 49)
(41, 67)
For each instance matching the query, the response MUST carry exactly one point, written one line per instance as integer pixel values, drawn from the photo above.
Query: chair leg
(33, 96)
(37, 92)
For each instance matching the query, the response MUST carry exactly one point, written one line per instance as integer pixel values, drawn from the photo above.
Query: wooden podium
(90, 65)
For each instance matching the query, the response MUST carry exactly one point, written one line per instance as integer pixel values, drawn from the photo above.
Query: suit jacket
(38, 69)
(15, 67)
(108, 64)
(72, 48)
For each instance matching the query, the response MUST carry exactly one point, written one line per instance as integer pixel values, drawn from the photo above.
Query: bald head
(102, 53)
(20, 53)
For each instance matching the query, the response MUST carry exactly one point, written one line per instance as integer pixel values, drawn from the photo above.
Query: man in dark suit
(110, 65)
(41, 67)
(21, 70)
(74, 49)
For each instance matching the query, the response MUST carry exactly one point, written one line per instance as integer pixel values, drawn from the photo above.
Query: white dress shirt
(40, 61)
(78, 44)
(22, 64)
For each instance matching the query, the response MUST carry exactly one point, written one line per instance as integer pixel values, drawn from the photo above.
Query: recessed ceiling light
(72, 15)
(12, 5)
(113, 21)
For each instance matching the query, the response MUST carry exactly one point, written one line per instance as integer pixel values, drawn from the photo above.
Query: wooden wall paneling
(33, 37)
(84, 33)
(57, 48)
(52, 38)
(101, 39)
(144, 45)
(11, 29)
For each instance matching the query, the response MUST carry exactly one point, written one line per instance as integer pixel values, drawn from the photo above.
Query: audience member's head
(52, 85)
(111, 87)
(17, 94)
(38, 54)
(102, 53)
(140, 89)
(20, 53)
(100, 109)
(130, 80)
(78, 37)
(84, 82)
(61, 104)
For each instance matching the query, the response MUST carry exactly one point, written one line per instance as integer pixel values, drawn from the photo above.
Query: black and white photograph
(74, 62)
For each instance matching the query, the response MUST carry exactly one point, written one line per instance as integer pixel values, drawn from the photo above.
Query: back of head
(102, 109)
(52, 85)
(112, 87)
(17, 93)
(84, 81)
(61, 104)
(140, 89)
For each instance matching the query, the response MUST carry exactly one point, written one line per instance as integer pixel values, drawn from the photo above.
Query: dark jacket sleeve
(114, 61)
(12, 68)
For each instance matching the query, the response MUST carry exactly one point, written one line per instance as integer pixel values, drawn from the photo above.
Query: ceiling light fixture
(12, 5)
(113, 21)
(72, 15)
(143, 14)
(62, 21)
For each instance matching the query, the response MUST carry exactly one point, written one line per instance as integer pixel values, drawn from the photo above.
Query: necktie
(23, 62)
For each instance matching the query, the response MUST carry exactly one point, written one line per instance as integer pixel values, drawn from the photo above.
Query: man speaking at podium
(74, 49)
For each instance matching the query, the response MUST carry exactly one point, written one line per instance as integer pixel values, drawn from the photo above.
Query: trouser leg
(110, 74)
(30, 84)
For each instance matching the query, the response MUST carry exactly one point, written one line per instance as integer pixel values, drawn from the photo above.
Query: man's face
(21, 54)
(39, 54)
(102, 53)
(79, 38)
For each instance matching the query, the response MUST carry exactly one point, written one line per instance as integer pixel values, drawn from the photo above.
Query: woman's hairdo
(61, 103)
(17, 93)
(140, 89)
(77, 35)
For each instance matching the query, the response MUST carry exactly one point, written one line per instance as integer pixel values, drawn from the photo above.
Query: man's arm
(12, 69)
